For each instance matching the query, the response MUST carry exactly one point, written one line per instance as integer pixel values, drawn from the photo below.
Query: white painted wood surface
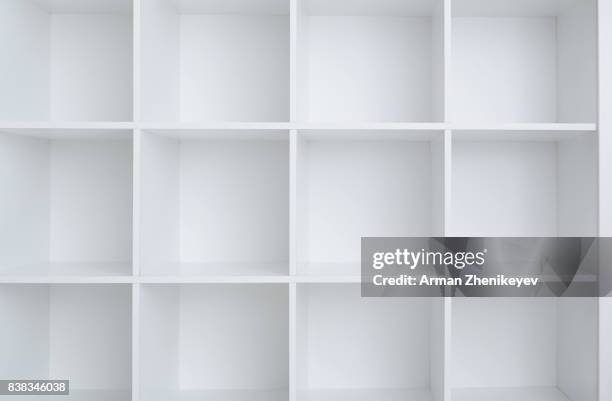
(184, 184)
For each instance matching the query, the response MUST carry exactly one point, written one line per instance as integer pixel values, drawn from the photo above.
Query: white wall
(364, 188)
(24, 62)
(24, 344)
(368, 68)
(577, 348)
(24, 209)
(159, 185)
(159, 322)
(234, 68)
(504, 70)
(233, 337)
(90, 336)
(362, 343)
(91, 200)
(91, 67)
(504, 342)
(504, 188)
(159, 71)
(234, 201)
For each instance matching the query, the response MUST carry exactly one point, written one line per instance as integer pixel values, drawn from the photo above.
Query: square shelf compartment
(354, 348)
(530, 61)
(529, 349)
(353, 184)
(75, 332)
(67, 203)
(66, 60)
(215, 203)
(214, 341)
(524, 184)
(370, 61)
(215, 60)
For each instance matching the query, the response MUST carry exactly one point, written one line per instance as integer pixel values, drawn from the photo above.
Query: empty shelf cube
(66, 60)
(75, 332)
(370, 61)
(214, 60)
(214, 342)
(354, 348)
(531, 349)
(67, 203)
(524, 61)
(364, 184)
(524, 184)
(215, 203)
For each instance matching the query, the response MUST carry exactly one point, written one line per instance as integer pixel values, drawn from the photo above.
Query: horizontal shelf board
(216, 395)
(73, 269)
(255, 126)
(215, 269)
(523, 136)
(320, 135)
(208, 126)
(581, 127)
(67, 280)
(509, 394)
(70, 133)
(366, 395)
(67, 125)
(179, 128)
(78, 395)
(326, 279)
(213, 279)
(229, 134)
(371, 126)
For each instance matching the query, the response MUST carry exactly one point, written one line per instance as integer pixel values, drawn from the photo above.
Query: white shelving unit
(184, 185)
(369, 61)
(531, 61)
(80, 332)
(208, 60)
(67, 203)
(207, 197)
(214, 341)
(381, 357)
(66, 60)
(542, 349)
(522, 183)
(352, 184)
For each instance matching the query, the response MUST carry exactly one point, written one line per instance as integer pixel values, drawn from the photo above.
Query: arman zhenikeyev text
(499, 280)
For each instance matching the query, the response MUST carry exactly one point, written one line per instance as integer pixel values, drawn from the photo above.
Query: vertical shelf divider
(293, 143)
(604, 133)
(137, 146)
(448, 160)
(447, 232)
(446, 79)
(293, 341)
(293, 149)
(136, 160)
(293, 60)
(136, 60)
(448, 311)
(293, 210)
(447, 218)
(136, 342)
